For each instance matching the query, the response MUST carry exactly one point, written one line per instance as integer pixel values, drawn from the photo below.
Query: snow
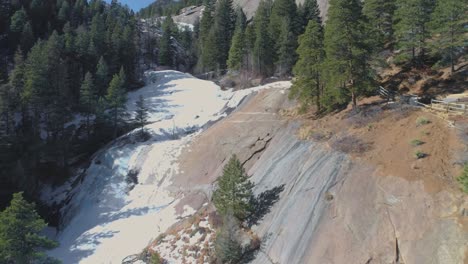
(109, 217)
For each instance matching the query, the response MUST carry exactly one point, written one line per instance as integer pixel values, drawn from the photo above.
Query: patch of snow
(110, 217)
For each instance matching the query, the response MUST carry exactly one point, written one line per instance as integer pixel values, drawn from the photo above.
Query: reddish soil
(382, 135)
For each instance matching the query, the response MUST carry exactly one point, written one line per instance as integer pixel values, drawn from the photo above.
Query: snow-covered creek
(108, 217)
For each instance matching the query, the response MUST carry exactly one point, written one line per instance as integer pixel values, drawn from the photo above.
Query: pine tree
(116, 101)
(311, 12)
(6, 109)
(18, 21)
(102, 77)
(206, 47)
(284, 11)
(237, 50)
(223, 28)
(27, 38)
(448, 29)
(308, 83)
(379, 14)
(88, 100)
(348, 72)
(249, 41)
(227, 246)
(234, 190)
(36, 83)
(64, 11)
(286, 49)
(20, 233)
(141, 113)
(264, 51)
(411, 33)
(166, 52)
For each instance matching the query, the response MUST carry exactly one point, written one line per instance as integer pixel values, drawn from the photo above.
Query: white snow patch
(109, 217)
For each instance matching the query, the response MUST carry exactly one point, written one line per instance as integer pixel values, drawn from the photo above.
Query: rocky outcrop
(250, 6)
(334, 208)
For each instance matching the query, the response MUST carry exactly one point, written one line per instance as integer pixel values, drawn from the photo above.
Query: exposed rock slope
(335, 208)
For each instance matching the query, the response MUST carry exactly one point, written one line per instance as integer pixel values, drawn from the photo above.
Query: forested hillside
(66, 67)
(59, 58)
(66, 61)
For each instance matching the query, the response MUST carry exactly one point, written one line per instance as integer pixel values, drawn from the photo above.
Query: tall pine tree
(88, 100)
(237, 50)
(264, 47)
(116, 101)
(348, 71)
(379, 14)
(448, 27)
(166, 51)
(411, 33)
(308, 83)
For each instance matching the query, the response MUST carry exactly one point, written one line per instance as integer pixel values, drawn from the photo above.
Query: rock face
(191, 14)
(334, 208)
(250, 6)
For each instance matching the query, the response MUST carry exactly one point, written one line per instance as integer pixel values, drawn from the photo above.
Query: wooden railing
(449, 107)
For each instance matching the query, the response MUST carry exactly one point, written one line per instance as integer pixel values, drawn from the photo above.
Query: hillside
(195, 131)
(352, 186)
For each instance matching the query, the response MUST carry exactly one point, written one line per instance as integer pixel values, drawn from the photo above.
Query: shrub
(422, 121)
(416, 142)
(463, 179)
(156, 258)
(351, 144)
(228, 249)
(419, 154)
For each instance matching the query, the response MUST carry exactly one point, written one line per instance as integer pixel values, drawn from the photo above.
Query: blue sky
(136, 5)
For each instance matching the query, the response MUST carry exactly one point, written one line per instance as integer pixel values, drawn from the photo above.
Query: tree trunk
(87, 126)
(452, 63)
(353, 97)
(317, 80)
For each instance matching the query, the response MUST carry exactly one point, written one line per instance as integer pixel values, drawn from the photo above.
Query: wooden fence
(448, 107)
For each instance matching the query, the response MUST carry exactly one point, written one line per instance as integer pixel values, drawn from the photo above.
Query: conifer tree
(308, 82)
(379, 14)
(310, 11)
(286, 49)
(36, 83)
(102, 77)
(234, 190)
(237, 50)
(249, 41)
(448, 27)
(166, 52)
(20, 233)
(206, 58)
(227, 246)
(116, 101)
(264, 50)
(88, 100)
(141, 113)
(223, 28)
(284, 11)
(411, 33)
(27, 38)
(348, 72)
(17, 75)
(18, 21)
